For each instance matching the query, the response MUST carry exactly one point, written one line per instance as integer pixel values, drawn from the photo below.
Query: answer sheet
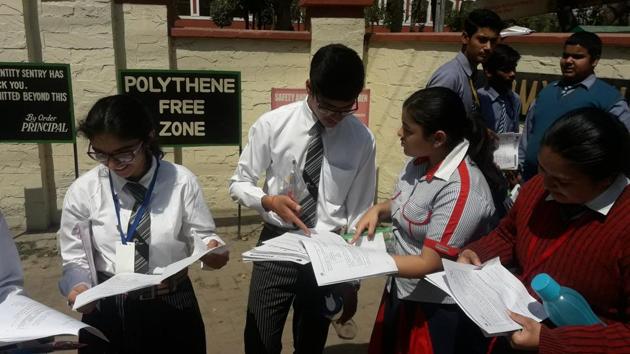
(506, 155)
(335, 261)
(23, 319)
(486, 293)
(125, 282)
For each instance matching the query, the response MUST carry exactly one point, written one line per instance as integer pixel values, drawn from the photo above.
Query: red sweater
(594, 260)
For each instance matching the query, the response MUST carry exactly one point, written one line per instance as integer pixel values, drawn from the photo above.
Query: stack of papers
(286, 247)
(123, 283)
(333, 259)
(486, 293)
(23, 319)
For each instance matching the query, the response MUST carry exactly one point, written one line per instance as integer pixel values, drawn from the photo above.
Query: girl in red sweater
(572, 221)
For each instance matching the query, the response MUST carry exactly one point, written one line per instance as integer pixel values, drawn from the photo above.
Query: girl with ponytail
(441, 202)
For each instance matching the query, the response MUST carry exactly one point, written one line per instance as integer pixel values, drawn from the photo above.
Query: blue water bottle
(565, 306)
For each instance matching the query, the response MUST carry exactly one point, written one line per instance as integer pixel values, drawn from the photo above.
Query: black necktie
(312, 170)
(142, 235)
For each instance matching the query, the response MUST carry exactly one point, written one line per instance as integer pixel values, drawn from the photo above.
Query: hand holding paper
(486, 293)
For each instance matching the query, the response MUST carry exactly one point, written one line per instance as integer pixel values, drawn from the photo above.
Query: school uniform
(557, 99)
(11, 277)
(501, 112)
(443, 208)
(152, 319)
(460, 77)
(586, 248)
(277, 147)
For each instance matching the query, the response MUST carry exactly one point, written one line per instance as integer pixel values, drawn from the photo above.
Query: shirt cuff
(73, 276)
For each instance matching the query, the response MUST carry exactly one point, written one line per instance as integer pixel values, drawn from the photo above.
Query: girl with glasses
(134, 212)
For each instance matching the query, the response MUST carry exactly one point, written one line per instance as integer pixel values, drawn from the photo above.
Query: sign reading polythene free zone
(36, 103)
(192, 107)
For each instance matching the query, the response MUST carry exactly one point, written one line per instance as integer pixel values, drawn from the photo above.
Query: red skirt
(400, 328)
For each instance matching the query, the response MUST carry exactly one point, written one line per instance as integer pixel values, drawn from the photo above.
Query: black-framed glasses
(330, 110)
(124, 157)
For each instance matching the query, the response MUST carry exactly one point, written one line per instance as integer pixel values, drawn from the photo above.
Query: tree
(222, 12)
(373, 15)
(418, 14)
(394, 12)
(282, 15)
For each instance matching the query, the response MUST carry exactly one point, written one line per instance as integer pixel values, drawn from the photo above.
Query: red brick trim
(611, 39)
(317, 3)
(145, 2)
(206, 32)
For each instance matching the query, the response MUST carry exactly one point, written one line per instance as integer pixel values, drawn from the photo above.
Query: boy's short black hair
(590, 41)
(503, 58)
(337, 73)
(482, 18)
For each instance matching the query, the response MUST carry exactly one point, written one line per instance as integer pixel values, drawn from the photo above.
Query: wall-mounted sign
(192, 107)
(282, 96)
(36, 103)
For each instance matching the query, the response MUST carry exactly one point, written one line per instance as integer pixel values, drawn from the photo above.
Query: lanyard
(474, 91)
(145, 203)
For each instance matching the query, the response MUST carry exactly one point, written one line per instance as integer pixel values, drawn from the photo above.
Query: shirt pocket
(337, 183)
(416, 219)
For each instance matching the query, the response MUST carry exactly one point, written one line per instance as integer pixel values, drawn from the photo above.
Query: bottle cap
(545, 286)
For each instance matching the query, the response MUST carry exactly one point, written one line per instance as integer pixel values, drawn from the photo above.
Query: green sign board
(192, 107)
(36, 103)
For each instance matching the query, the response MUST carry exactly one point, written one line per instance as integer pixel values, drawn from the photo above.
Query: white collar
(452, 161)
(120, 182)
(605, 201)
(309, 115)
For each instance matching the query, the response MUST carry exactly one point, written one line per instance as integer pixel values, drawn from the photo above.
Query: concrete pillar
(340, 21)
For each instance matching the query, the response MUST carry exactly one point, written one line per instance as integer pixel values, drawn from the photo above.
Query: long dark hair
(438, 108)
(124, 117)
(593, 141)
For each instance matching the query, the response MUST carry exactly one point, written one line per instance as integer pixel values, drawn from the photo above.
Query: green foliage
(541, 23)
(296, 12)
(394, 12)
(455, 19)
(222, 12)
(373, 14)
(418, 14)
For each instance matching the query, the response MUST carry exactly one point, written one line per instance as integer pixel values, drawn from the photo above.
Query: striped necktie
(501, 124)
(142, 236)
(312, 170)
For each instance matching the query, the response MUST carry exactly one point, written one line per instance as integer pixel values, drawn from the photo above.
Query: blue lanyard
(145, 203)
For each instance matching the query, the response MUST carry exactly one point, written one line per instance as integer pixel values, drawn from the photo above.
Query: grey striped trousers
(274, 287)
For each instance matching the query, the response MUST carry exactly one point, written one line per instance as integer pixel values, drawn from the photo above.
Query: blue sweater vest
(550, 106)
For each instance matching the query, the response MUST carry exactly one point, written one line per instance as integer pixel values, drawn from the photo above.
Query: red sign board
(282, 96)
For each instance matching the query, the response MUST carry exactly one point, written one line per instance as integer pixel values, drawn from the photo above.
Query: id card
(125, 257)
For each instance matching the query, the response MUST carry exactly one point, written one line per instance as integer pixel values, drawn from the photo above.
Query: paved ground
(222, 294)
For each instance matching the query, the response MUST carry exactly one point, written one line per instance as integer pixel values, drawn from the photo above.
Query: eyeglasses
(125, 157)
(330, 110)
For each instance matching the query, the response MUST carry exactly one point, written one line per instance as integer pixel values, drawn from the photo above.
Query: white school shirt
(11, 278)
(279, 137)
(444, 208)
(177, 210)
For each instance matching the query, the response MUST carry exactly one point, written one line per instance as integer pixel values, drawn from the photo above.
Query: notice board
(192, 107)
(36, 103)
